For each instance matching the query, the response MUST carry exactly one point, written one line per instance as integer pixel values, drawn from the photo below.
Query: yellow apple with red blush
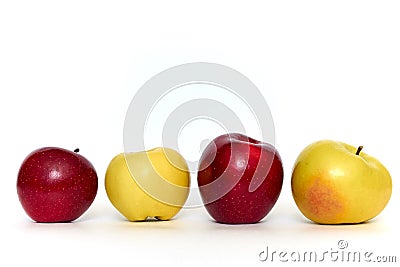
(336, 183)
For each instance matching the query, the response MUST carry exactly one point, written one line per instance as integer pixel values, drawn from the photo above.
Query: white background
(68, 71)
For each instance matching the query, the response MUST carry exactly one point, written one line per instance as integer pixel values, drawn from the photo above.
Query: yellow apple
(148, 184)
(336, 183)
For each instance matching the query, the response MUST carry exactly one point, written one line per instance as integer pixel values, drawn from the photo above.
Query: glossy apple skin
(332, 184)
(235, 160)
(56, 185)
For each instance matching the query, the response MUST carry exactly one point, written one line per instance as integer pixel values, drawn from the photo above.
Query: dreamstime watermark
(213, 108)
(341, 253)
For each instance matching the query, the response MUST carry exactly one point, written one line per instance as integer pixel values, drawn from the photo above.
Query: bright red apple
(56, 185)
(239, 178)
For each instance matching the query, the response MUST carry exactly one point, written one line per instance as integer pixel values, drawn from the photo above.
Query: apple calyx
(76, 150)
(359, 150)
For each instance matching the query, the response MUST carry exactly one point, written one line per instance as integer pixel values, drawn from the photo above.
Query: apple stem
(359, 150)
(76, 150)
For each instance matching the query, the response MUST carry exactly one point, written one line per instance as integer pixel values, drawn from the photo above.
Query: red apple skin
(234, 158)
(56, 185)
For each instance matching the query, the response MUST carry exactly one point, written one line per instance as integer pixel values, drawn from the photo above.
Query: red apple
(239, 178)
(56, 185)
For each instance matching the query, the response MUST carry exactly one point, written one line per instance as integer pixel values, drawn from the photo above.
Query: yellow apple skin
(333, 185)
(153, 183)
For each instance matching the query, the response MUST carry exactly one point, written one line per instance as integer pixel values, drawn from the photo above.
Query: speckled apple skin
(56, 185)
(234, 158)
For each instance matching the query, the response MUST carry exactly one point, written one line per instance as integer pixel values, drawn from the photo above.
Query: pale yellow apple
(333, 184)
(148, 184)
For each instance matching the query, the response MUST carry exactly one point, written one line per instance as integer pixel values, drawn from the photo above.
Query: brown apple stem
(76, 150)
(359, 150)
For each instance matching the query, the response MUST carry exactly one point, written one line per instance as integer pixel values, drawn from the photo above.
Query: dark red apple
(56, 185)
(239, 178)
